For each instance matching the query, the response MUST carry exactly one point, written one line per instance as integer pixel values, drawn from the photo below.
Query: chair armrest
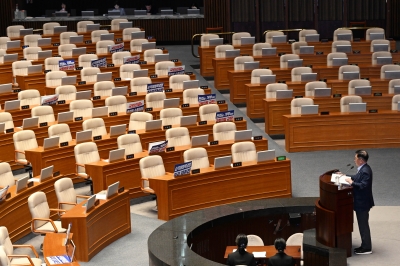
(76, 167)
(66, 203)
(83, 197)
(22, 256)
(43, 219)
(28, 246)
(15, 154)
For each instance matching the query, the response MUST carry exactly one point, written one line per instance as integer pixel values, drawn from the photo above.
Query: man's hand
(348, 180)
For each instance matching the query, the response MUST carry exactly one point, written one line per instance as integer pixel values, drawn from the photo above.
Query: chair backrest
(95, 35)
(254, 240)
(85, 60)
(344, 102)
(96, 125)
(65, 50)
(20, 67)
(198, 157)
(236, 37)
(379, 42)
(118, 57)
(244, 152)
(341, 31)
(31, 53)
(3, 42)
(81, 108)
(284, 59)
(89, 74)
(13, 31)
(336, 43)
(6, 118)
(102, 46)
(208, 112)
(373, 30)
(375, 55)
(5, 241)
(136, 44)
(238, 63)
(103, 88)
(81, 26)
(45, 113)
(126, 33)
(171, 116)
(86, 152)
(38, 207)
(310, 87)
(390, 67)
(115, 23)
(224, 131)
(2, 51)
(29, 97)
(155, 99)
(395, 102)
(137, 120)
(177, 136)
(116, 103)
(66, 92)
(347, 68)
(270, 89)
(60, 130)
(152, 166)
(130, 142)
(64, 36)
(257, 48)
(6, 175)
(295, 105)
(149, 54)
(355, 83)
(4, 260)
(176, 81)
(296, 46)
(161, 68)
(126, 70)
(296, 240)
(256, 73)
(140, 84)
(48, 28)
(191, 96)
(270, 34)
(303, 33)
(205, 39)
(297, 71)
(329, 58)
(392, 83)
(32, 40)
(54, 78)
(65, 192)
(220, 50)
(51, 63)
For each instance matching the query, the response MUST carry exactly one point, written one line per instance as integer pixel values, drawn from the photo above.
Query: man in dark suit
(241, 256)
(363, 199)
(280, 258)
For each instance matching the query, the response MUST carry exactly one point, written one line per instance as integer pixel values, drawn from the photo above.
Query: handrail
(200, 34)
(287, 30)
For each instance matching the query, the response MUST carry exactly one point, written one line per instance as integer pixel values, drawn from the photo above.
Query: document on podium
(262, 254)
(340, 179)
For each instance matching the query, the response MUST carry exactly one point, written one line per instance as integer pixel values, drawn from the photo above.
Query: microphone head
(348, 164)
(352, 167)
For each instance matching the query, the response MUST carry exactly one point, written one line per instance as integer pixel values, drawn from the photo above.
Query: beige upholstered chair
(150, 166)
(257, 48)
(296, 240)
(81, 26)
(118, 57)
(388, 68)
(149, 54)
(392, 83)
(347, 68)
(13, 31)
(85, 60)
(256, 73)
(344, 102)
(224, 131)
(341, 31)
(126, 70)
(32, 40)
(6, 118)
(355, 83)
(236, 37)
(95, 35)
(20, 68)
(395, 103)
(66, 194)
(48, 28)
(244, 152)
(85, 153)
(329, 58)
(3, 42)
(32, 53)
(116, 103)
(65, 50)
(137, 121)
(2, 52)
(198, 157)
(60, 130)
(7, 177)
(191, 96)
(103, 88)
(311, 86)
(66, 92)
(270, 89)
(304, 33)
(208, 112)
(205, 39)
(171, 116)
(102, 46)
(373, 30)
(5, 261)
(65, 36)
(40, 212)
(379, 54)
(89, 74)
(45, 113)
(176, 81)
(51, 63)
(136, 44)
(29, 97)
(23, 140)
(96, 125)
(295, 105)
(161, 68)
(379, 42)
(14, 259)
(254, 240)
(140, 84)
(297, 71)
(54, 78)
(221, 49)
(336, 43)
(284, 59)
(130, 142)
(296, 46)
(177, 136)
(270, 34)
(81, 108)
(115, 23)
(127, 33)
(238, 63)
(155, 100)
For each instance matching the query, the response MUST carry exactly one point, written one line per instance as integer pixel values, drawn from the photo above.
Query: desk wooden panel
(275, 109)
(6, 75)
(14, 212)
(293, 251)
(53, 246)
(381, 131)
(101, 226)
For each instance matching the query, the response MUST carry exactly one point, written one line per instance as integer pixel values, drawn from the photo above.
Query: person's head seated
(63, 6)
(241, 242)
(116, 5)
(280, 245)
(363, 155)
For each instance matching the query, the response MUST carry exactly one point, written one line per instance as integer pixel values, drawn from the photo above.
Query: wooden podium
(334, 211)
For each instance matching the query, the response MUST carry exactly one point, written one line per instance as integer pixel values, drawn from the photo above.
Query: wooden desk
(127, 172)
(177, 196)
(53, 246)
(14, 212)
(293, 251)
(101, 226)
(337, 131)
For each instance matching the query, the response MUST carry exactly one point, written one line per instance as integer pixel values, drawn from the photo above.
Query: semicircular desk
(201, 237)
